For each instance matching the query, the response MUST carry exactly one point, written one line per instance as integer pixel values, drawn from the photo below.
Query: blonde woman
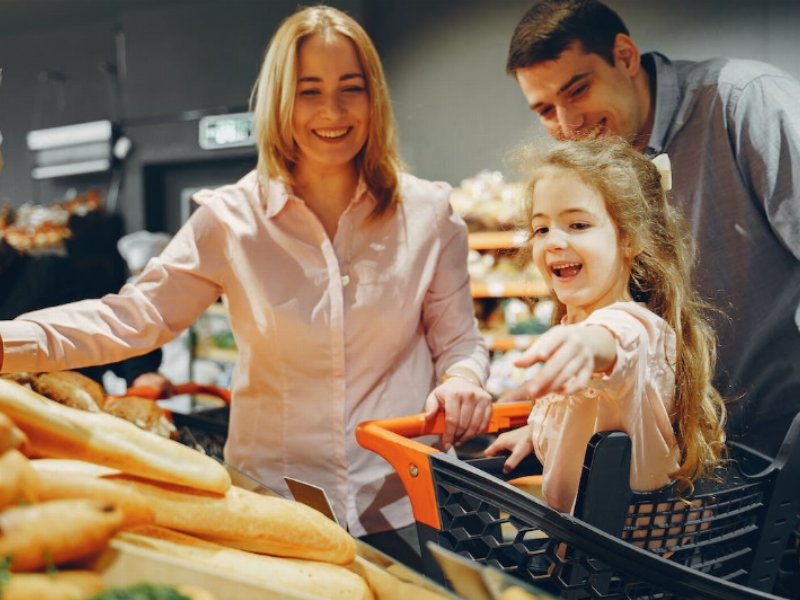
(344, 277)
(630, 349)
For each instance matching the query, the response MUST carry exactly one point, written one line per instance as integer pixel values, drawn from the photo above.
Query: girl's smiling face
(576, 245)
(331, 108)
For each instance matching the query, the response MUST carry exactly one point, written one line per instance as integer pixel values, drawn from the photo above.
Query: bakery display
(56, 430)
(487, 202)
(38, 535)
(145, 413)
(104, 505)
(238, 518)
(75, 390)
(36, 228)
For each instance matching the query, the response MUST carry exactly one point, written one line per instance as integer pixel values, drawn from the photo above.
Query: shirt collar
(278, 194)
(666, 98)
(276, 197)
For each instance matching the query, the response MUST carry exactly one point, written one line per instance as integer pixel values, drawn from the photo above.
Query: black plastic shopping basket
(467, 507)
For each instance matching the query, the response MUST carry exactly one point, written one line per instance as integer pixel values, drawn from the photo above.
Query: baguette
(248, 521)
(56, 532)
(11, 436)
(53, 485)
(59, 431)
(64, 585)
(240, 519)
(18, 480)
(303, 577)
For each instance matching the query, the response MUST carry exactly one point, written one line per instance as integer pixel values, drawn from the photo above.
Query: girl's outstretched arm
(568, 354)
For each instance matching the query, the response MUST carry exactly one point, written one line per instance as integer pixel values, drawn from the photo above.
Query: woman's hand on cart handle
(467, 409)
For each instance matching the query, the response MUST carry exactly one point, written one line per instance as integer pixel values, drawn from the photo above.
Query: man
(731, 129)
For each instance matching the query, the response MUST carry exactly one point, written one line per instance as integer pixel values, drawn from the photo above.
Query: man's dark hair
(550, 26)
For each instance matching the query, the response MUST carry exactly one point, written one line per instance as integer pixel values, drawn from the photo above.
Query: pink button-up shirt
(637, 397)
(329, 333)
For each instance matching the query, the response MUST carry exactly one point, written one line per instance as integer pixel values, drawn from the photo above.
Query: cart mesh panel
(489, 521)
(205, 431)
(713, 533)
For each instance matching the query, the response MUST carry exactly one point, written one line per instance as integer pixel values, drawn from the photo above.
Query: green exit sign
(227, 131)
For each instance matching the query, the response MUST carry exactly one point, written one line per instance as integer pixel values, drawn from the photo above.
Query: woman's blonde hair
(661, 278)
(272, 101)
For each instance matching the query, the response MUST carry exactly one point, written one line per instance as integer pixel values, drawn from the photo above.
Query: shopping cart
(729, 534)
(205, 430)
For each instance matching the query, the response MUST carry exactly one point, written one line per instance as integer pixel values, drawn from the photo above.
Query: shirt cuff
(21, 344)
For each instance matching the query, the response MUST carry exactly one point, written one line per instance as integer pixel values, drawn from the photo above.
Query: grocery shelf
(223, 355)
(502, 342)
(496, 240)
(508, 289)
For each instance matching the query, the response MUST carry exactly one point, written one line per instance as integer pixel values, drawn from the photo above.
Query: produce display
(88, 499)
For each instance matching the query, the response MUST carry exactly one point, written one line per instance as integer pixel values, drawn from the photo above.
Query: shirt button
(345, 280)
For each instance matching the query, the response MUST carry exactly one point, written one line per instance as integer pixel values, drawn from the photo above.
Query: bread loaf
(52, 533)
(18, 480)
(64, 585)
(142, 412)
(239, 519)
(71, 389)
(54, 485)
(304, 577)
(59, 431)
(11, 436)
(249, 521)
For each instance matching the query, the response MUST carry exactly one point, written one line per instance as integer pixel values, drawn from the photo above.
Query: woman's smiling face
(331, 112)
(576, 245)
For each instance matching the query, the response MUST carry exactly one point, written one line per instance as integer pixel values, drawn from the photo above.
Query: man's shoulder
(726, 73)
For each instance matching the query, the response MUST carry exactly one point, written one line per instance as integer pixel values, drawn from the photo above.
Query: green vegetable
(141, 591)
(5, 573)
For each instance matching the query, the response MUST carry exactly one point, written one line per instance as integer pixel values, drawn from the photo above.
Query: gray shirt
(732, 131)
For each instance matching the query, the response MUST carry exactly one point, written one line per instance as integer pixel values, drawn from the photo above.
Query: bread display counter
(90, 502)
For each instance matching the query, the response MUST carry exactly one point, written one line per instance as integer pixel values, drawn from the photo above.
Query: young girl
(629, 349)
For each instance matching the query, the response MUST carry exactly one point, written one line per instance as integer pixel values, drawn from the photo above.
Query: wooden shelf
(509, 289)
(224, 355)
(496, 240)
(502, 342)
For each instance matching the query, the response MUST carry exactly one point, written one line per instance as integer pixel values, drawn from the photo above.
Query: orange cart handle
(389, 439)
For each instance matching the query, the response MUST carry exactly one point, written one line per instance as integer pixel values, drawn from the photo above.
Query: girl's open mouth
(566, 270)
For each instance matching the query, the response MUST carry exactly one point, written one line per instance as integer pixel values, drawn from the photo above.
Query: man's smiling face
(580, 94)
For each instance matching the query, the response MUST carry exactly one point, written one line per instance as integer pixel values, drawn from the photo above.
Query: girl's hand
(517, 441)
(467, 410)
(568, 356)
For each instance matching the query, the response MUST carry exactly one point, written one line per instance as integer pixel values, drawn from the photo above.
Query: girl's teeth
(565, 270)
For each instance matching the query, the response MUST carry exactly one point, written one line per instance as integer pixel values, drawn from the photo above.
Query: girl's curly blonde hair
(661, 278)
